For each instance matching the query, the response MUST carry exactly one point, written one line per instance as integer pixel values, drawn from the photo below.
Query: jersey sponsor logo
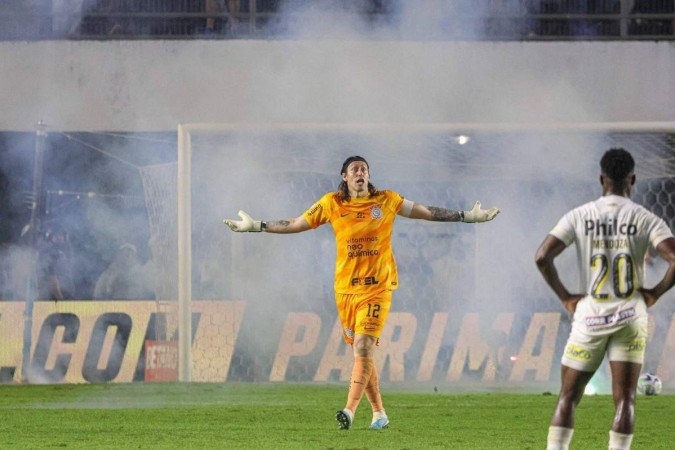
(349, 333)
(370, 324)
(356, 249)
(578, 353)
(611, 319)
(360, 253)
(356, 240)
(364, 281)
(376, 212)
(637, 346)
(609, 228)
(360, 215)
(314, 209)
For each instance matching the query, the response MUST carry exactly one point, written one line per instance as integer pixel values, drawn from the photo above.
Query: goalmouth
(479, 154)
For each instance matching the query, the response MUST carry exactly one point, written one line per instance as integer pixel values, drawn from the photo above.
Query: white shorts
(585, 351)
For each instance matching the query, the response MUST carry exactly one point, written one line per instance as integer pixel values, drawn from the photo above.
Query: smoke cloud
(533, 176)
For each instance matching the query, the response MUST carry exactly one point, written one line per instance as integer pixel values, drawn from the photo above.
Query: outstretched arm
(248, 224)
(295, 225)
(666, 250)
(436, 214)
(545, 257)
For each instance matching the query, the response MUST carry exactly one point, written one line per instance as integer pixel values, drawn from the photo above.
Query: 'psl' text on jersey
(365, 281)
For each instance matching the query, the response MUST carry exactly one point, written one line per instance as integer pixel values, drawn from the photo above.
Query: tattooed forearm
(278, 225)
(444, 215)
(287, 226)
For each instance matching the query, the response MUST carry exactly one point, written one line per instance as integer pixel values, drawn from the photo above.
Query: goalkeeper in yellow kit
(362, 218)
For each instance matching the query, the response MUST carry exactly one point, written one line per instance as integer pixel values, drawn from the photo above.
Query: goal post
(184, 255)
(446, 159)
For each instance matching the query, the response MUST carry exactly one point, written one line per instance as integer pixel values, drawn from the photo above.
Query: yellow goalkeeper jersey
(362, 226)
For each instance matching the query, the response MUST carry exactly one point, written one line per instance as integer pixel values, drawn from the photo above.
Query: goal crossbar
(184, 179)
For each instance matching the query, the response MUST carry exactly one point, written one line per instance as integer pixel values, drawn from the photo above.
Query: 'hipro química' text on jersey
(363, 228)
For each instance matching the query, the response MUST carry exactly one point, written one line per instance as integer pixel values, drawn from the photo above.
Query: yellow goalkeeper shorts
(363, 313)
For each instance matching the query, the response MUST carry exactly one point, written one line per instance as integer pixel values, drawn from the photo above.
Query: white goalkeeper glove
(477, 215)
(245, 224)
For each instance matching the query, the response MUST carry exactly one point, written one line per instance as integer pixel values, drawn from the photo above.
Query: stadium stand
(260, 19)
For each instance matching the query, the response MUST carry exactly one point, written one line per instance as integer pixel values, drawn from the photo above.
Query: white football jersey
(612, 236)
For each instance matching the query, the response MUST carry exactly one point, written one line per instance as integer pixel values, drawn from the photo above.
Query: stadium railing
(185, 21)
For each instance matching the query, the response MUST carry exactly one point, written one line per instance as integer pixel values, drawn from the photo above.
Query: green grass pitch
(276, 416)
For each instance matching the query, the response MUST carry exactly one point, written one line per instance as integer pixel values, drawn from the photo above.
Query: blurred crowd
(52, 269)
(181, 19)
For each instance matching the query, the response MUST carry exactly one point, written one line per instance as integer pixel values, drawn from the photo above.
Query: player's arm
(435, 214)
(248, 224)
(666, 250)
(545, 257)
(295, 225)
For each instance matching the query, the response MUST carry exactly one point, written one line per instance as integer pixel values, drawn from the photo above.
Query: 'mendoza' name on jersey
(611, 229)
(356, 248)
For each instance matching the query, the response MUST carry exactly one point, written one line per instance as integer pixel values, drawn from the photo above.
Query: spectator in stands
(54, 265)
(125, 278)
(215, 7)
(220, 25)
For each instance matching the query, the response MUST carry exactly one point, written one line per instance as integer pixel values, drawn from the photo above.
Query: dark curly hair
(617, 164)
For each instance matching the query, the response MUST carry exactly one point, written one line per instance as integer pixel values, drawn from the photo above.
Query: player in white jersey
(612, 236)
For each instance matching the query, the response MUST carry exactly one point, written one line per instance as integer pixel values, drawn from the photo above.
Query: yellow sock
(363, 367)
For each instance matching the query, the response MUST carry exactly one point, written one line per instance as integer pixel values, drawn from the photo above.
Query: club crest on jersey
(376, 212)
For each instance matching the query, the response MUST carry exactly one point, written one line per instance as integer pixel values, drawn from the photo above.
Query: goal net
(470, 304)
